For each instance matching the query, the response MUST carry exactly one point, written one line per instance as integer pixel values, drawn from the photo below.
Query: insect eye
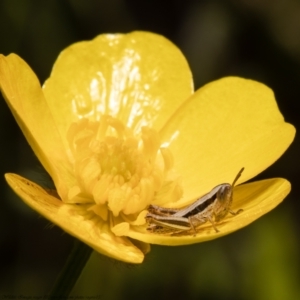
(224, 192)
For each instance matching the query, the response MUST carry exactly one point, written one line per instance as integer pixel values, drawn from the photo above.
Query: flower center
(118, 172)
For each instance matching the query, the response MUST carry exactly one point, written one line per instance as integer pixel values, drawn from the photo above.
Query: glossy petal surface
(226, 125)
(96, 235)
(139, 78)
(256, 199)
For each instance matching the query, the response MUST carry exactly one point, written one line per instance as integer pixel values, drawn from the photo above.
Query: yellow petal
(226, 125)
(141, 78)
(22, 92)
(256, 199)
(95, 234)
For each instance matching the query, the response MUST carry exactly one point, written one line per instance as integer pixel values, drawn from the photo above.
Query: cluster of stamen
(118, 173)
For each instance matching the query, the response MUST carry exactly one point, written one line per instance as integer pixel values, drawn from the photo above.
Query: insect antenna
(237, 176)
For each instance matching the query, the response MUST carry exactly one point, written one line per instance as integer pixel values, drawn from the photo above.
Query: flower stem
(71, 271)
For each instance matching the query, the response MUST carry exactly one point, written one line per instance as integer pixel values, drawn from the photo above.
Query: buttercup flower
(118, 127)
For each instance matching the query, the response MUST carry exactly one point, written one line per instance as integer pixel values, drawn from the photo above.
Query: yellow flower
(118, 127)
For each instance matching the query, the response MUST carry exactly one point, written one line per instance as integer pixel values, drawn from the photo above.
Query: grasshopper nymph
(212, 207)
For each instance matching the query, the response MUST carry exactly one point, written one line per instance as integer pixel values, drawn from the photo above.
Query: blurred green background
(249, 38)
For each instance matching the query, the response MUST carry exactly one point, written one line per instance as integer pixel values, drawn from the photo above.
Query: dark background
(249, 38)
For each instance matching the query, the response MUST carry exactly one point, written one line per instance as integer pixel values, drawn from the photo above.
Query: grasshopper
(212, 207)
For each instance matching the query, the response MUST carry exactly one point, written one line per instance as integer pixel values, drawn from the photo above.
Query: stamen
(168, 158)
(118, 173)
(101, 189)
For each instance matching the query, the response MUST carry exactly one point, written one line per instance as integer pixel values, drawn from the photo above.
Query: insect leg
(234, 213)
(213, 223)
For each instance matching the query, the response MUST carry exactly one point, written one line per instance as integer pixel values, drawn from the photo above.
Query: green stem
(71, 271)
